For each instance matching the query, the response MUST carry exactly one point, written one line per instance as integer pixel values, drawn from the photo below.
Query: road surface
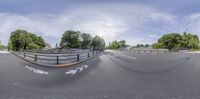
(111, 75)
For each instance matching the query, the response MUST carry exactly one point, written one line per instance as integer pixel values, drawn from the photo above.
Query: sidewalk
(193, 52)
(4, 52)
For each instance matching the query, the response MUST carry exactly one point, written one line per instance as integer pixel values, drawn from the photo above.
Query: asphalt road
(111, 75)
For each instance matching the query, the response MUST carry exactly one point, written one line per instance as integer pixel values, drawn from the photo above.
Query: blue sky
(136, 21)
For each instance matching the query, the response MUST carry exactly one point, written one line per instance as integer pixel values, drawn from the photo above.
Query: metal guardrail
(146, 51)
(58, 51)
(57, 58)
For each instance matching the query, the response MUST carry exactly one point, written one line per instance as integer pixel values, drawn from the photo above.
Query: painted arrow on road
(78, 69)
(72, 72)
(82, 67)
(85, 66)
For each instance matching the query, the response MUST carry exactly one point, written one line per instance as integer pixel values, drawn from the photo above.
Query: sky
(136, 21)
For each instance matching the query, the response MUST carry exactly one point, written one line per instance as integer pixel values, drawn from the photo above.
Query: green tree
(174, 41)
(70, 39)
(157, 45)
(114, 45)
(33, 46)
(1, 46)
(86, 40)
(139, 45)
(146, 45)
(20, 40)
(189, 41)
(122, 43)
(10, 45)
(40, 42)
(193, 44)
(98, 42)
(170, 41)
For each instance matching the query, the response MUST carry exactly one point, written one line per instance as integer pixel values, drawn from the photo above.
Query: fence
(56, 58)
(146, 50)
(58, 51)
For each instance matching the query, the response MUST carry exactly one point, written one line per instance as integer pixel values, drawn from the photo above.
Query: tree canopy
(98, 42)
(86, 40)
(122, 43)
(116, 44)
(1, 46)
(22, 40)
(76, 39)
(175, 41)
(70, 39)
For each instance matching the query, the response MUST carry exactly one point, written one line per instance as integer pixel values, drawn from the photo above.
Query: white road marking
(128, 56)
(80, 69)
(4, 52)
(30, 68)
(38, 71)
(72, 72)
(194, 52)
(85, 66)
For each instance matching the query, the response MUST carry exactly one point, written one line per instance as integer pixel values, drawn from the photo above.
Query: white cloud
(153, 36)
(192, 23)
(132, 23)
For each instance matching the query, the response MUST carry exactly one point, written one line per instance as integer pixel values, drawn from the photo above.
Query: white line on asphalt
(85, 66)
(80, 69)
(72, 72)
(128, 56)
(194, 52)
(4, 52)
(38, 71)
(30, 68)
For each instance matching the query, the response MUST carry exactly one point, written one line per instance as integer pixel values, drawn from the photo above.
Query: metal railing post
(78, 57)
(57, 60)
(35, 57)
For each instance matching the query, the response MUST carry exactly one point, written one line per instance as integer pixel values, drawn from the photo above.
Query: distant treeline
(22, 40)
(76, 39)
(117, 44)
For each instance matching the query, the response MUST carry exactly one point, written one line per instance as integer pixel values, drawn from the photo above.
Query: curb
(54, 66)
